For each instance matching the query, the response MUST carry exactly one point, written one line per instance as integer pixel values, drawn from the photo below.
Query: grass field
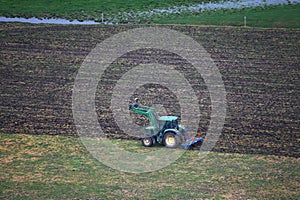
(76, 8)
(59, 167)
(286, 16)
(272, 17)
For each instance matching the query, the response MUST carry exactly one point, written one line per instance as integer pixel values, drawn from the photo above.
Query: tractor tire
(171, 140)
(147, 142)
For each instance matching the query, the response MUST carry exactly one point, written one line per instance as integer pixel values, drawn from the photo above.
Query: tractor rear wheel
(171, 140)
(147, 142)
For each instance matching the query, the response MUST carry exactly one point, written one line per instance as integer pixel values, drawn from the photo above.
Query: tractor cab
(168, 122)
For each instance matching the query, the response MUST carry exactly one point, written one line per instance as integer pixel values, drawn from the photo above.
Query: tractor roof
(168, 118)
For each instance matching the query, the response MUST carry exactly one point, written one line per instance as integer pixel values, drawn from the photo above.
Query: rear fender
(173, 130)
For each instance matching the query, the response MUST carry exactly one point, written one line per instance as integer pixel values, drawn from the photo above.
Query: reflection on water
(35, 20)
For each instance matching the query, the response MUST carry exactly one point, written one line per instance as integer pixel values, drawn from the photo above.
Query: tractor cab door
(162, 125)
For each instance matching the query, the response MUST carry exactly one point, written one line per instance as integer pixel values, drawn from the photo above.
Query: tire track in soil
(259, 67)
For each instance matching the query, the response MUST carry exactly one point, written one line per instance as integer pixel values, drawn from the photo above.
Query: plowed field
(260, 69)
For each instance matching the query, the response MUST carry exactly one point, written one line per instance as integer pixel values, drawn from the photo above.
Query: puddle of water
(218, 6)
(35, 20)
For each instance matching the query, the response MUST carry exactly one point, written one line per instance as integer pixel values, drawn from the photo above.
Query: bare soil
(259, 67)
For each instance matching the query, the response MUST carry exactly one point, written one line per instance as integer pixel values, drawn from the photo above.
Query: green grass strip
(59, 167)
(271, 17)
(54, 8)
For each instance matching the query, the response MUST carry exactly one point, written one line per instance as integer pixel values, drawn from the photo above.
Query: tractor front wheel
(147, 142)
(171, 140)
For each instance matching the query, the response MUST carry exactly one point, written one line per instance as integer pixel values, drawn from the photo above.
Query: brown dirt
(260, 69)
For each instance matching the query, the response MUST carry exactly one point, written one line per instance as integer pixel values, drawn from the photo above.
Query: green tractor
(163, 130)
